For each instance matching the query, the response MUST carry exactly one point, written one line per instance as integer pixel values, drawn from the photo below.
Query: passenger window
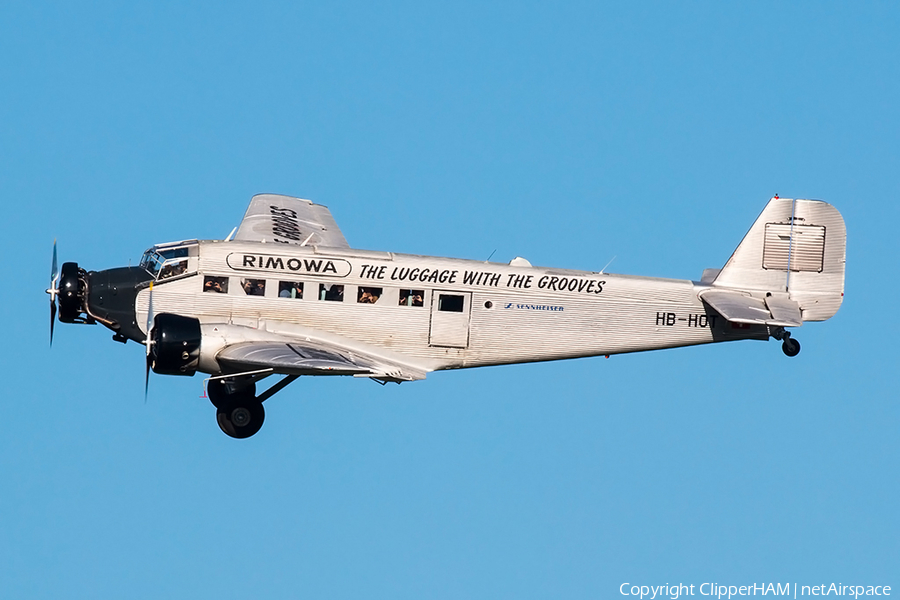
(290, 289)
(450, 303)
(412, 297)
(215, 284)
(368, 295)
(333, 292)
(254, 287)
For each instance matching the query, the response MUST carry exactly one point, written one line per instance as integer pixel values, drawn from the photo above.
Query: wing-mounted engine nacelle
(182, 345)
(175, 347)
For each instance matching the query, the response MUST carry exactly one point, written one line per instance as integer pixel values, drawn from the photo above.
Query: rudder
(810, 237)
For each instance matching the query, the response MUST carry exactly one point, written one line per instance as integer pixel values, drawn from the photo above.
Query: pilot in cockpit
(173, 269)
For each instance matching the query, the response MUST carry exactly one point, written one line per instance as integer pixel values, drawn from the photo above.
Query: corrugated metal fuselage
(471, 314)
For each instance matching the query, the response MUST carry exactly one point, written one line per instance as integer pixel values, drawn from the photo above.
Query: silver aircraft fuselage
(506, 314)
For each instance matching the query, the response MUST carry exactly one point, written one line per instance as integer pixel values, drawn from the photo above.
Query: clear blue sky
(564, 133)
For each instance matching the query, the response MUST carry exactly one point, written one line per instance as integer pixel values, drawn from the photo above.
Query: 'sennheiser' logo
(335, 267)
(517, 306)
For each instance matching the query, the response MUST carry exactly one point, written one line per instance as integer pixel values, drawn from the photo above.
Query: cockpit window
(164, 263)
(152, 262)
(173, 268)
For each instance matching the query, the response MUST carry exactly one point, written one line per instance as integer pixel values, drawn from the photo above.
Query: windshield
(163, 264)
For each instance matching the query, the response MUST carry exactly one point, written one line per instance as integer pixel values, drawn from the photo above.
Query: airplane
(286, 295)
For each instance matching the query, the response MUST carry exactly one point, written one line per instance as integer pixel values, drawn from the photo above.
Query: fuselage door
(450, 312)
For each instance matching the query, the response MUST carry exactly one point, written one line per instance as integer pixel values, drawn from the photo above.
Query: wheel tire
(790, 347)
(241, 419)
(218, 394)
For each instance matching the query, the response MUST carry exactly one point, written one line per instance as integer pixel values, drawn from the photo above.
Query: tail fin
(808, 236)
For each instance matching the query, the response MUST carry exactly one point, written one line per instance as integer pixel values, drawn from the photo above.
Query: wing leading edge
(288, 220)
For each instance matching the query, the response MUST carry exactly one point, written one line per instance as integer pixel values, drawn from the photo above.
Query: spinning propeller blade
(148, 342)
(52, 319)
(54, 280)
(54, 270)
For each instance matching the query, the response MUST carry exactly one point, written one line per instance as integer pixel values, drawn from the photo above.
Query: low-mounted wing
(741, 308)
(310, 358)
(287, 220)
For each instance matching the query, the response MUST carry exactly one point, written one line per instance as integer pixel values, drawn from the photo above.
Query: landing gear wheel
(242, 418)
(790, 347)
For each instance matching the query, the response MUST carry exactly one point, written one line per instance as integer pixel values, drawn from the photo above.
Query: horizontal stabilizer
(784, 310)
(741, 308)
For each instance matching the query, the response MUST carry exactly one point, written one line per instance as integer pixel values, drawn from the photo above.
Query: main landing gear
(239, 411)
(789, 345)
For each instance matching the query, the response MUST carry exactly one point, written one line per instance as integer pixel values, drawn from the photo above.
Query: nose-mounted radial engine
(67, 289)
(89, 297)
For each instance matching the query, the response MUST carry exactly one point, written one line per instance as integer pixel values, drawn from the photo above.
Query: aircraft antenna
(228, 239)
(491, 256)
(607, 264)
(309, 237)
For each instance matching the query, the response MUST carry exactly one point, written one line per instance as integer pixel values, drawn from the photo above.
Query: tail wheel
(242, 418)
(790, 347)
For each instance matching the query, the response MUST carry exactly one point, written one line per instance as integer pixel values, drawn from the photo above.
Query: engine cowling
(175, 348)
(71, 293)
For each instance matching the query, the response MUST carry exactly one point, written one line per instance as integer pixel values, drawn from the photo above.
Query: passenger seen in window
(215, 284)
(368, 295)
(290, 289)
(333, 292)
(411, 297)
(254, 287)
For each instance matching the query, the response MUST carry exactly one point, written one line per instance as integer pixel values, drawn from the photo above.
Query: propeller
(53, 290)
(148, 342)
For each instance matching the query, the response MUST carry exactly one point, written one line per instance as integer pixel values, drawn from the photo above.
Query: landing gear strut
(789, 345)
(239, 411)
